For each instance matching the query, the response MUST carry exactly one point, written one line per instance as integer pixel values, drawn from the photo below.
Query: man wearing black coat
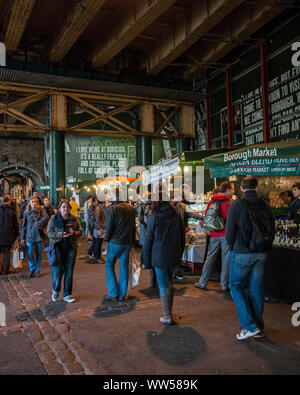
(9, 231)
(250, 231)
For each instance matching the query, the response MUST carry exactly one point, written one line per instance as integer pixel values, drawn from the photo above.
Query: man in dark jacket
(120, 235)
(9, 231)
(250, 232)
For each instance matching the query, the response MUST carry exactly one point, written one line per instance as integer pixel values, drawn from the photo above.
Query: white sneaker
(69, 299)
(54, 296)
(245, 334)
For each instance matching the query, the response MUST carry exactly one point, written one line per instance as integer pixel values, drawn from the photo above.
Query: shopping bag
(134, 270)
(16, 263)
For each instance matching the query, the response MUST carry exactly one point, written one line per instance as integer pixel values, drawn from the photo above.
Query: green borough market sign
(281, 159)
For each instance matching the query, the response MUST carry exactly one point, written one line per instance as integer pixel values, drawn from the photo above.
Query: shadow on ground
(280, 359)
(51, 310)
(176, 345)
(109, 309)
(153, 293)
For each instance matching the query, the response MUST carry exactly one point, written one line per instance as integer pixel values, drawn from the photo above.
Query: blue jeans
(246, 286)
(115, 252)
(64, 268)
(164, 279)
(34, 262)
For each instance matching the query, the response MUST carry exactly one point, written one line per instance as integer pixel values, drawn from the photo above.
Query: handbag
(51, 255)
(98, 234)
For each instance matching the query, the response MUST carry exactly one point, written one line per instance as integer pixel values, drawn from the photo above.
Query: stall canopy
(278, 158)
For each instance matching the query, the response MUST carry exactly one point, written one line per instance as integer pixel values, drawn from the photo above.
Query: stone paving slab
(92, 337)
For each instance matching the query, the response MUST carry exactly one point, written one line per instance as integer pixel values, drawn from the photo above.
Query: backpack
(262, 235)
(213, 220)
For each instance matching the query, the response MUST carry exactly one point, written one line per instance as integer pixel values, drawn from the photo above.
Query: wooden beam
(245, 22)
(24, 118)
(169, 122)
(58, 112)
(195, 23)
(78, 20)
(25, 101)
(105, 115)
(167, 119)
(19, 14)
(138, 17)
(100, 97)
(22, 128)
(105, 121)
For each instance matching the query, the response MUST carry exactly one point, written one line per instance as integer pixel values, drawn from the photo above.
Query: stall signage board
(165, 168)
(42, 187)
(258, 160)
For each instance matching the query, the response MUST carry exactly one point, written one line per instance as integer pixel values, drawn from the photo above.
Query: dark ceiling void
(165, 43)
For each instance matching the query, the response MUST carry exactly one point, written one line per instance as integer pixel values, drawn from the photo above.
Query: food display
(287, 234)
(193, 238)
(279, 199)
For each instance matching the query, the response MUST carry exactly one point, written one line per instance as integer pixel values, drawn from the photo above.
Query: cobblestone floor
(93, 337)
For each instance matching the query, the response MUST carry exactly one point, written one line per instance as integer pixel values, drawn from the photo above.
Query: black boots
(167, 305)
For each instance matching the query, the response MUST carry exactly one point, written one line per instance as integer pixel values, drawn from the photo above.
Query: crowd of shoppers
(243, 240)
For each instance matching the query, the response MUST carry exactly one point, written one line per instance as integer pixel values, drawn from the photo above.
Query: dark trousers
(96, 246)
(5, 250)
(65, 268)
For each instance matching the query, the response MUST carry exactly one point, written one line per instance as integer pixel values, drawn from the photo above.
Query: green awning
(191, 156)
(279, 158)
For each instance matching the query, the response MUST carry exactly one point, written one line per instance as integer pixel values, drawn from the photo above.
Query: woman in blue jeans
(63, 231)
(163, 249)
(34, 220)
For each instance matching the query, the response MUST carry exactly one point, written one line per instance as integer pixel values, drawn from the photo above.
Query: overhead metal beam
(139, 16)
(195, 23)
(19, 14)
(244, 24)
(84, 12)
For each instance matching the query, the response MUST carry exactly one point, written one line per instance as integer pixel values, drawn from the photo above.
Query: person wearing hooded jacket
(35, 219)
(218, 241)
(163, 249)
(9, 231)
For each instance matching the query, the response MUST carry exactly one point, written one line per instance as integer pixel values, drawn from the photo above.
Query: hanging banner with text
(280, 159)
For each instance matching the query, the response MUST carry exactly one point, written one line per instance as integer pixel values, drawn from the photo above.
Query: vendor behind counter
(294, 207)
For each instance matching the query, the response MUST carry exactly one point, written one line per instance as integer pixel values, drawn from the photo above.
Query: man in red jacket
(218, 241)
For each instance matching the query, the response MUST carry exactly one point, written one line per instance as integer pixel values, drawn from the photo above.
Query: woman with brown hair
(163, 249)
(63, 231)
(34, 220)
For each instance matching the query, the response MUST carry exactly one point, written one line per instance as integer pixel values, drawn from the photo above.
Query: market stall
(188, 168)
(277, 168)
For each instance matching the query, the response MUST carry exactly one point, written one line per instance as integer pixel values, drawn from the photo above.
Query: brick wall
(22, 153)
